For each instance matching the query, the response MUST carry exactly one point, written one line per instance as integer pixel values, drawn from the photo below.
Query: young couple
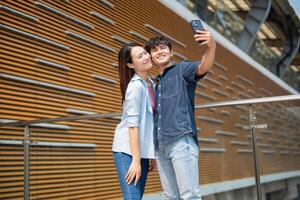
(158, 123)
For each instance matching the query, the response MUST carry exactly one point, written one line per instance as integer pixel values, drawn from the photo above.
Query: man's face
(161, 55)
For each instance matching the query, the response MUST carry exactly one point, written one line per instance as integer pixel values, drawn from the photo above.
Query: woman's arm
(135, 166)
(133, 100)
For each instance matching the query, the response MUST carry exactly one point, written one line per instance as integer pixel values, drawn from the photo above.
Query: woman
(133, 140)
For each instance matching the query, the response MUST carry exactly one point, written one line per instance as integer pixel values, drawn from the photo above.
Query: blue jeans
(178, 169)
(131, 191)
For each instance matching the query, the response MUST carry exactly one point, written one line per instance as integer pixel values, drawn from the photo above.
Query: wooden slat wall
(70, 84)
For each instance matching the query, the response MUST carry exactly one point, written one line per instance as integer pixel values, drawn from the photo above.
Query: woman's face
(141, 60)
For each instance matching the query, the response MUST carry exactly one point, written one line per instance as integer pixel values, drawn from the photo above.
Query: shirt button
(159, 94)
(158, 104)
(159, 86)
(158, 128)
(159, 116)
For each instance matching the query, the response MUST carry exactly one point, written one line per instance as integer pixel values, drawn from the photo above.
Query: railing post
(252, 119)
(26, 162)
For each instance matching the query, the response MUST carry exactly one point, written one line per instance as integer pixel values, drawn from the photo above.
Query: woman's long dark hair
(125, 73)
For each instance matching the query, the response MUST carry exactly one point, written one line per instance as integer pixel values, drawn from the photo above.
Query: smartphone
(196, 25)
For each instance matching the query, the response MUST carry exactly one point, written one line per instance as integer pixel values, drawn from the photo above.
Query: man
(175, 133)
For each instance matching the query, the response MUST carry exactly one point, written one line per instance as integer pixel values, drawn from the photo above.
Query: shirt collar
(158, 77)
(137, 77)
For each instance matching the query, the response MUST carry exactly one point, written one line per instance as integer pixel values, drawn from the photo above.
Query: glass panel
(11, 162)
(279, 150)
(72, 159)
(226, 156)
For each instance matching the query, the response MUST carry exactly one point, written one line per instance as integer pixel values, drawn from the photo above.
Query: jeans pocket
(193, 146)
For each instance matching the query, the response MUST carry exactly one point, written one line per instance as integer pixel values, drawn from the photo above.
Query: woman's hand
(134, 171)
(153, 165)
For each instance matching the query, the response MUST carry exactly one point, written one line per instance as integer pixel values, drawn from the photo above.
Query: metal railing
(252, 126)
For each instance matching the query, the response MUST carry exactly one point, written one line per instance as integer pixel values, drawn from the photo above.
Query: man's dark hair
(156, 41)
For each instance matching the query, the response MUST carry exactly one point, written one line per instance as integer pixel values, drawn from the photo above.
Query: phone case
(196, 25)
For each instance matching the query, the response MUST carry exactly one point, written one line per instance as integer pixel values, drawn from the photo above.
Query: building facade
(59, 58)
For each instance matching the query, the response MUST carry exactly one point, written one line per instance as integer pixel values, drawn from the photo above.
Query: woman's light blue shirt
(137, 112)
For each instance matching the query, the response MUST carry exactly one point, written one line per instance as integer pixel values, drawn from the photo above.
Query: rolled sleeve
(189, 71)
(133, 101)
(132, 121)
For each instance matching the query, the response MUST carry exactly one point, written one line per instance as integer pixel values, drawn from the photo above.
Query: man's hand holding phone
(202, 35)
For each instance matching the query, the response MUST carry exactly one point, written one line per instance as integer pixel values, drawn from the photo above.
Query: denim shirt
(175, 92)
(137, 112)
